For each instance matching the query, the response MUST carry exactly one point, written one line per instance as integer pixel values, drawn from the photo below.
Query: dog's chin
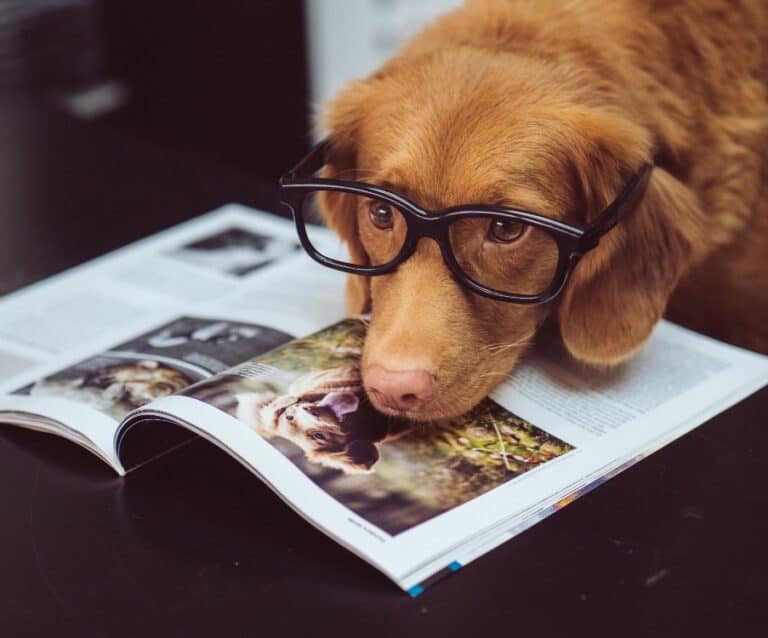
(458, 393)
(444, 406)
(419, 416)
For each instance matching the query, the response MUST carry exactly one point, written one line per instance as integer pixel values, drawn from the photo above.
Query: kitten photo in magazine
(306, 398)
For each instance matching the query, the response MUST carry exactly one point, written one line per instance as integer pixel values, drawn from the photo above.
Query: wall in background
(348, 39)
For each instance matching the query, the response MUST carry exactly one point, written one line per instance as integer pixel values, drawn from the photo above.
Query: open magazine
(221, 328)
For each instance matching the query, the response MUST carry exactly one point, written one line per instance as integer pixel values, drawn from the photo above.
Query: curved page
(417, 501)
(92, 396)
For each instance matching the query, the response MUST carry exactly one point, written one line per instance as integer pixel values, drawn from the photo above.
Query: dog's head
(323, 414)
(465, 125)
(325, 431)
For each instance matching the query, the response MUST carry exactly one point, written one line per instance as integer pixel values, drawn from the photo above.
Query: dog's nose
(402, 390)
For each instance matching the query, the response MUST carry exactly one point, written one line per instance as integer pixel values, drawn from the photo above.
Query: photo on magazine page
(157, 364)
(235, 251)
(306, 399)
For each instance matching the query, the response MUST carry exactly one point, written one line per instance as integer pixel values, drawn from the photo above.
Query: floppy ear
(356, 458)
(342, 120)
(340, 403)
(619, 290)
(360, 456)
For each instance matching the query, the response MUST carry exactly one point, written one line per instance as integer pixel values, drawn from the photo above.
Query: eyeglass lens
(495, 252)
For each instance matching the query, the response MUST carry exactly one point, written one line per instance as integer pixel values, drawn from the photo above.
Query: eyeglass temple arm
(626, 202)
(309, 165)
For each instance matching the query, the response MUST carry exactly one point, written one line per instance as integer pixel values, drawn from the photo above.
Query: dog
(324, 415)
(551, 106)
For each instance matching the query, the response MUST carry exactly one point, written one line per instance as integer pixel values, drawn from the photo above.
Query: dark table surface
(195, 545)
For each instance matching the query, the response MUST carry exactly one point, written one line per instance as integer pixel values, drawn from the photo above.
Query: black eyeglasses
(501, 253)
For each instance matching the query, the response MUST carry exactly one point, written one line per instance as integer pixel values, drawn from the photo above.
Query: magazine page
(415, 500)
(83, 348)
(600, 407)
(614, 417)
(93, 394)
(233, 256)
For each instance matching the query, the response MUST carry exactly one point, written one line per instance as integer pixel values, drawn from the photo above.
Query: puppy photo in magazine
(325, 414)
(306, 398)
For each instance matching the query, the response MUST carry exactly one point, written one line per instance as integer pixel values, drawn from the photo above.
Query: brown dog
(550, 106)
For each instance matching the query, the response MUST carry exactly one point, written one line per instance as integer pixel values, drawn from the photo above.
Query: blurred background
(233, 81)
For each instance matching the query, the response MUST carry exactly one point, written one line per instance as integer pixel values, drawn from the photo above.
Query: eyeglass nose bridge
(434, 227)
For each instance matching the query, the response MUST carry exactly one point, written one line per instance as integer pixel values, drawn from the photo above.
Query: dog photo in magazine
(306, 398)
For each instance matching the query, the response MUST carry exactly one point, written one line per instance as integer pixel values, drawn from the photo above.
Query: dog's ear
(619, 291)
(340, 403)
(357, 457)
(342, 120)
(360, 456)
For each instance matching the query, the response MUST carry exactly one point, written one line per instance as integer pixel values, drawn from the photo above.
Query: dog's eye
(382, 215)
(505, 231)
(289, 417)
(319, 436)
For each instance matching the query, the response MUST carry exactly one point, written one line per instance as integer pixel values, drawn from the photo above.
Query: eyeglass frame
(573, 242)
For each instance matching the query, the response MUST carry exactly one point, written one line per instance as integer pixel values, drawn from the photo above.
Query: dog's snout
(401, 390)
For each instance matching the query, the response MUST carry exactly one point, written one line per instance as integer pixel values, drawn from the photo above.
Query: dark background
(225, 79)
(195, 545)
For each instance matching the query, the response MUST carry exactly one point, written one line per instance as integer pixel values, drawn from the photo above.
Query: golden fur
(551, 106)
